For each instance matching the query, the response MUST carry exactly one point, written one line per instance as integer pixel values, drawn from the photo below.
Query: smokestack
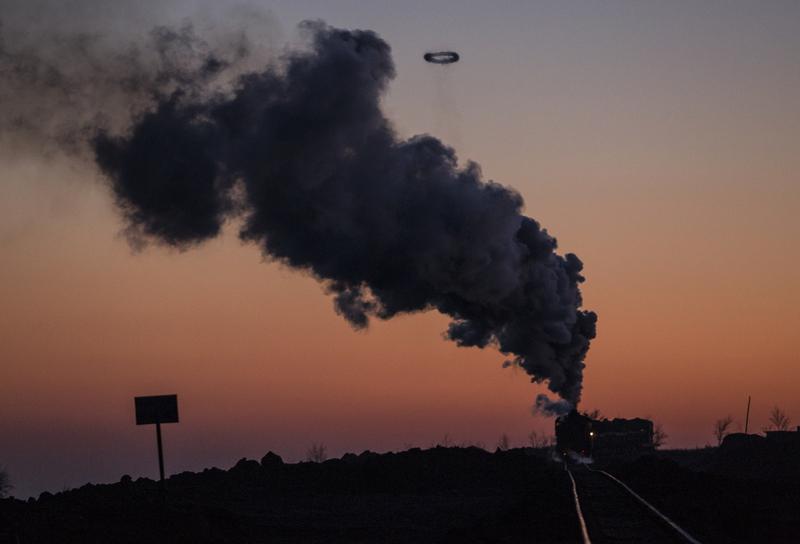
(304, 155)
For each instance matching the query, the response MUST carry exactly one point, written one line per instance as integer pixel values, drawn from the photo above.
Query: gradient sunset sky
(659, 141)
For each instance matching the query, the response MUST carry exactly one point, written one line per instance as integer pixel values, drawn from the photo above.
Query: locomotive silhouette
(604, 438)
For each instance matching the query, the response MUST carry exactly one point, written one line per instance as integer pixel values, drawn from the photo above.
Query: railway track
(611, 512)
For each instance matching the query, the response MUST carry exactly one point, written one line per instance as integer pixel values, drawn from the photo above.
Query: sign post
(157, 410)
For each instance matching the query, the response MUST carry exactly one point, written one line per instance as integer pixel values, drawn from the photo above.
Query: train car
(606, 438)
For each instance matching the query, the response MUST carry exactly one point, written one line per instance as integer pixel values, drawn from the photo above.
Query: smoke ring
(441, 57)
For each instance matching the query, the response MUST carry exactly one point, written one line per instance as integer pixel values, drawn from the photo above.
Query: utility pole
(747, 417)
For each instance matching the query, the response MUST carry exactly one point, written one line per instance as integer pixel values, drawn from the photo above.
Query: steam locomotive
(603, 438)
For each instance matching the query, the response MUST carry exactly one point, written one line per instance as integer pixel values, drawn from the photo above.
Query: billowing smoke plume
(302, 152)
(546, 405)
(57, 88)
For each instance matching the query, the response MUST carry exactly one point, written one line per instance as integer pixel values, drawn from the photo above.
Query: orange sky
(672, 174)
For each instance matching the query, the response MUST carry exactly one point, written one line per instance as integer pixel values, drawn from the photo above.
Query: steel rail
(581, 521)
(689, 538)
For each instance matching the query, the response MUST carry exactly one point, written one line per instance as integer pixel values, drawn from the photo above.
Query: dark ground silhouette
(464, 495)
(436, 495)
(747, 490)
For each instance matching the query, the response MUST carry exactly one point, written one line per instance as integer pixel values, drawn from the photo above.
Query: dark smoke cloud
(303, 154)
(57, 88)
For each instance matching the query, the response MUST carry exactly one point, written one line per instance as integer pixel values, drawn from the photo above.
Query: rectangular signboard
(157, 409)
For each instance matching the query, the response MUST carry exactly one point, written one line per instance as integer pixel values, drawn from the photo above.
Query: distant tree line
(778, 421)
